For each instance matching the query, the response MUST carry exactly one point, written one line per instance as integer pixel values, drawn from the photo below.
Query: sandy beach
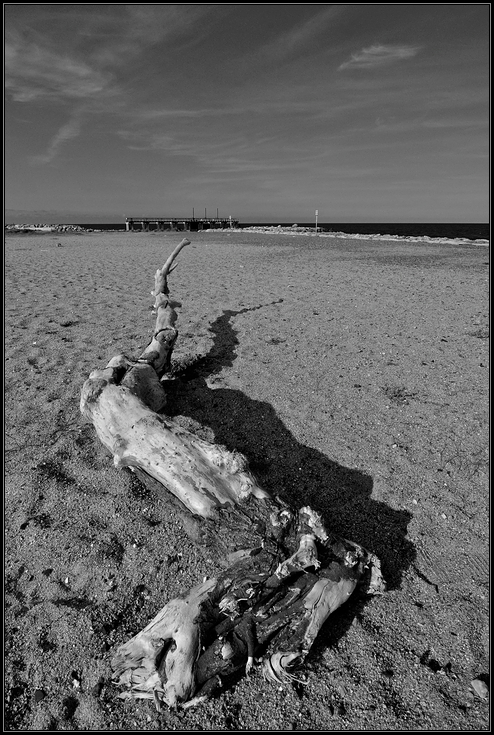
(352, 373)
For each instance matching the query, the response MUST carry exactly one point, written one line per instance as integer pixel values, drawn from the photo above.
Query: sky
(262, 112)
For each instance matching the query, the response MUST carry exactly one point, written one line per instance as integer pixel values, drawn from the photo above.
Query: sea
(451, 231)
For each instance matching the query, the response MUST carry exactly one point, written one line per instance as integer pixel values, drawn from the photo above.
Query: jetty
(192, 224)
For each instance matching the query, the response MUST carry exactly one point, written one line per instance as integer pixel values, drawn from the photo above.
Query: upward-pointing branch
(158, 352)
(160, 279)
(143, 378)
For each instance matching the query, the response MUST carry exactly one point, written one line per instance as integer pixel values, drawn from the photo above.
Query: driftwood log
(285, 574)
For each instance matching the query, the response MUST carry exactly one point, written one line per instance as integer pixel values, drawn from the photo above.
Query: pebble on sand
(480, 688)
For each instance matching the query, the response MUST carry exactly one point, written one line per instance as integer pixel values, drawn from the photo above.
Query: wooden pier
(179, 224)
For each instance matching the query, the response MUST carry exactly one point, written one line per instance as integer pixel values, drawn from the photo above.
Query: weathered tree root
(285, 574)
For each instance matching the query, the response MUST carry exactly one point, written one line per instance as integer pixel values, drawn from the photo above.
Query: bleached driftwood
(285, 574)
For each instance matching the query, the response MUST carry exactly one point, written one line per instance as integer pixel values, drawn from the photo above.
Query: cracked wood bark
(281, 574)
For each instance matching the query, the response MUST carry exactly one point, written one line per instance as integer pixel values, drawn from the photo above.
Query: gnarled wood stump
(285, 574)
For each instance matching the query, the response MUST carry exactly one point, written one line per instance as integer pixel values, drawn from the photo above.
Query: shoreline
(292, 230)
(271, 230)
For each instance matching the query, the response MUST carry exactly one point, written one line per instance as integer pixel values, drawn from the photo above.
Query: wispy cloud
(36, 73)
(85, 73)
(142, 26)
(33, 72)
(255, 105)
(227, 153)
(299, 37)
(70, 130)
(379, 55)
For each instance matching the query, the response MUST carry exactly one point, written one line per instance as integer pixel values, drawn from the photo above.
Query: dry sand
(354, 376)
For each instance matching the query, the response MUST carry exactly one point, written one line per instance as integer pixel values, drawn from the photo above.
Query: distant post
(317, 212)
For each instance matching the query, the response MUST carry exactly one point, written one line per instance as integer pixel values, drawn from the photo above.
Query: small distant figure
(59, 244)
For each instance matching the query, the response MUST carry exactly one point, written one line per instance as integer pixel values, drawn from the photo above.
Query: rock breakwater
(16, 228)
(310, 231)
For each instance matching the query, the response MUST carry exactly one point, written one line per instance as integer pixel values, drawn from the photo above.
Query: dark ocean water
(455, 230)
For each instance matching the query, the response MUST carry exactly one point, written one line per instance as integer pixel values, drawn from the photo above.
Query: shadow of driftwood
(299, 474)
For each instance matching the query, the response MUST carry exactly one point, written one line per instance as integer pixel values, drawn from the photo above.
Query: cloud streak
(299, 38)
(144, 26)
(70, 130)
(379, 55)
(33, 73)
(83, 72)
